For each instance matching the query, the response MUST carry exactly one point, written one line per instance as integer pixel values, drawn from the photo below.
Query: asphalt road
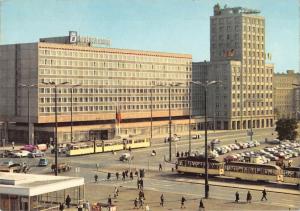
(85, 166)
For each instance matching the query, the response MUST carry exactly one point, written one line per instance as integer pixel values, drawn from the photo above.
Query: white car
(21, 153)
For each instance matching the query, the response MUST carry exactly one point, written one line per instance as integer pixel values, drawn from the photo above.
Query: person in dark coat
(201, 205)
(264, 195)
(96, 178)
(61, 206)
(117, 175)
(68, 201)
(131, 175)
(249, 197)
(162, 200)
(237, 197)
(123, 176)
(136, 201)
(182, 202)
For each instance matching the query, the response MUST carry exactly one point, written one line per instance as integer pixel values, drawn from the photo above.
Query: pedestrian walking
(123, 176)
(237, 197)
(68, 201)
(109, 200)
(160, 167)
(201, 205)
(136, 173)
(136, 203)
(264, 195)
(108, 175)
(13, 145)
(117, 175)
(116, 192)
(141, 200)
(96, 178)
(131, 175)
(142, 184)
(162, 200)
(61, 206)
(138, 183)
(182, 202)
(249, 197)
(181, 154)
(126, 173)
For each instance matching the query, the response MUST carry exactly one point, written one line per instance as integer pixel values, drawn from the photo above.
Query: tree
(286, 129)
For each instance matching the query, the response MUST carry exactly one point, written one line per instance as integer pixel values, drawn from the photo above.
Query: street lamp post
(151, 100)
(205, 86)
(170, 117)
(251, 117)
(28, 86)
(56, 123)
(190, 116)
(72, 87)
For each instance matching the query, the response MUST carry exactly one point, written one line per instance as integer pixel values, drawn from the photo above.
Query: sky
(179, 26)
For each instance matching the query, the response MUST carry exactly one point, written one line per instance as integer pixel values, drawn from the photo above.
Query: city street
(169, 182)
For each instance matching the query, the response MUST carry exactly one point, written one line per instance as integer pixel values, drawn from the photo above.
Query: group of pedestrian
(249, 196)
(139, 201)
(182, 154)
(67, 201)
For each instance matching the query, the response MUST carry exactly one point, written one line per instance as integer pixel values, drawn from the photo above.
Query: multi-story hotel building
(287, 95)
(238, 60)
(103, 81)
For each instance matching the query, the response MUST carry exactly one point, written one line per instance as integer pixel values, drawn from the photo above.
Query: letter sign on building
(73, 36)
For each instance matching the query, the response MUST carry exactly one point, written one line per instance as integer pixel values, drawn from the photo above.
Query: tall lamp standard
(28, 86)
(251, 116)
(205, 86)
(56, 125)
(72, 88)
(169, 86)
(151, 113)
(190, 117)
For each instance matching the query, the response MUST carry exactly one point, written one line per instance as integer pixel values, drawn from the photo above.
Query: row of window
(82, 90)
(254, 79)
(254, 96)
(109, 108)
(106, 82)
(258, 112)
(254, 87)
(112, 99)
(109, 65)
(112, 56)
(114, 73)
(250, 104)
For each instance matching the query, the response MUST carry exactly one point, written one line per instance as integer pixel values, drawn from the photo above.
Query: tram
(196, 164)
(291, 175)
(100, 146)
(254, 171)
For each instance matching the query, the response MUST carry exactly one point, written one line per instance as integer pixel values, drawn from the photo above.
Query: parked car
(20, 153)
(43, 162)
(230, 158)
(29, 147)
(8, 163)
(215, 141)
(126, 157)
(42, 147)
(36, 153)
(242, 145)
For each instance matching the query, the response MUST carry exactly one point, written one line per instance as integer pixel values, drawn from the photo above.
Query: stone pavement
(96, 192)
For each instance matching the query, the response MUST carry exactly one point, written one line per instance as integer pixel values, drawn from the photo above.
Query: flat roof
(35, 184)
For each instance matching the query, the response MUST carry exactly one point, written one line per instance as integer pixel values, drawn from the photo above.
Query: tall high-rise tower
(237, 53)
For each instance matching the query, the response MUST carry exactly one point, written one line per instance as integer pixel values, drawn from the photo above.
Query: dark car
(43, 162)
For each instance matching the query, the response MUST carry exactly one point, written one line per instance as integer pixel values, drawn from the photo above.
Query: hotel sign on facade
(92, 41)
